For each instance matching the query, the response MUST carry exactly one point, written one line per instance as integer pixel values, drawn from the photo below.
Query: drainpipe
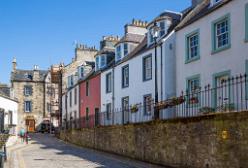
(79, 106)
(113, 91)
(161, 63)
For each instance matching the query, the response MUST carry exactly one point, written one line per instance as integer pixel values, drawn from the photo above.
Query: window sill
(123, 87)
(145, 80)
(148, 114)
(192, 60)
(221, 49)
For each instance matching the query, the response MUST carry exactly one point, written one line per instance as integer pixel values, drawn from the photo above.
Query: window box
(174, 101)
(206, 110)
(194, 100)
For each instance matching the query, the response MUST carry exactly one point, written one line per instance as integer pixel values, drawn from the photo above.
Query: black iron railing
(227, 94)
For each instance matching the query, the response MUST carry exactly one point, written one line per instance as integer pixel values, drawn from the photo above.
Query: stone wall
(217, 140)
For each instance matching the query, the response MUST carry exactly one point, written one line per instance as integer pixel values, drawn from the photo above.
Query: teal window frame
(214, 40)
(187, 56)
(188, 79)
(246, 22)
(214, 94)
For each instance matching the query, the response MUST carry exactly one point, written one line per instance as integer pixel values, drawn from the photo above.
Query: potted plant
(194, 100)
(206, 110)
(177, 100)
(134, 108)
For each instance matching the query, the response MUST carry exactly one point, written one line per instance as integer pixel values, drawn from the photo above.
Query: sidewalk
(14, 159)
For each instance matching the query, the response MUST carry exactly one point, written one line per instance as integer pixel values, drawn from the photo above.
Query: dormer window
(125, 49)
(162, 28)
(80, 72)
(118, 52)
(103, 61)
(151, 39)
(97, 63)
(70, 81)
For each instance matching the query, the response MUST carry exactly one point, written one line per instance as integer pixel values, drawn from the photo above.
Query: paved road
(45, 151)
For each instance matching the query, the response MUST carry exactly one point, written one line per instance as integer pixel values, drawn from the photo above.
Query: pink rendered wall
(92, 101)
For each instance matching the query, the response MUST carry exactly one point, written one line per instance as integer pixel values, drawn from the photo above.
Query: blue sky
(42, 32)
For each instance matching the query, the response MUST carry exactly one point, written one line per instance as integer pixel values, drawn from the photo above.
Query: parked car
(45, 128)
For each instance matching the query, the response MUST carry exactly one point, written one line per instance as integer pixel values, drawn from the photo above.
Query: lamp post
(155, 33)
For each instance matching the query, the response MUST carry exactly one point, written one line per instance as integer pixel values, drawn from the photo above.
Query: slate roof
(200, 11)
(167, 14)
(106, 51)
(24, 75)
(133, 38)
(5, 90)
(143, 47)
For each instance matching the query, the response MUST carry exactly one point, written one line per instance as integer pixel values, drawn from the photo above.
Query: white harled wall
(10, 105)
(232, 59)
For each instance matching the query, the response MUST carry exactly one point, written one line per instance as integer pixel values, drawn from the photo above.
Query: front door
(125, 110)
(30, 123)
(96, 116)
(1, 120)
(222, 92)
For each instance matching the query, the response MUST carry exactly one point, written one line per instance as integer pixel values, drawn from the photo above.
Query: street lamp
(155, 33)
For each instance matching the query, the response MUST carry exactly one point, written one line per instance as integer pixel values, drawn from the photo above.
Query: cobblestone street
(45, 151)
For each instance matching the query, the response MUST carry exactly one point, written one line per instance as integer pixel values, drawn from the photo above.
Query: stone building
(29, 89)
(80, 65)
(51, 100)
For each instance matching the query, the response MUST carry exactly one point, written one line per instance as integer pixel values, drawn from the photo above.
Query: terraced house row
(180, 64)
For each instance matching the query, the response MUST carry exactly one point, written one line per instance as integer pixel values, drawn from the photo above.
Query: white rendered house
(211, 46)
(134, 74)
(8, 109)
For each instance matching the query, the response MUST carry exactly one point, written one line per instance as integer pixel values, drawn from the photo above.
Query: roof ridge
(193, 13)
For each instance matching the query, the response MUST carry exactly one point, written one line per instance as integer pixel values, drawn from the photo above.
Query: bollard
(5, 152)
(2, 155)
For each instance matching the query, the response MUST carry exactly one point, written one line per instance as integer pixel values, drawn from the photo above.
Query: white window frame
(28, 90)
(125, 76)
(147, 68)
(118, 52)
(125, 48)
(26, 109)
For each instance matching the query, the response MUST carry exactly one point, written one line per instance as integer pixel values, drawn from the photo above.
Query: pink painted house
(90, 99)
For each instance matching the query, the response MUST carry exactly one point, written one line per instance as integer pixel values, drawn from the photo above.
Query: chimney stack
(14, 65)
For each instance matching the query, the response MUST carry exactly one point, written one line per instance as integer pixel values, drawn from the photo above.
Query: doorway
(96, 116)
(30, 124)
